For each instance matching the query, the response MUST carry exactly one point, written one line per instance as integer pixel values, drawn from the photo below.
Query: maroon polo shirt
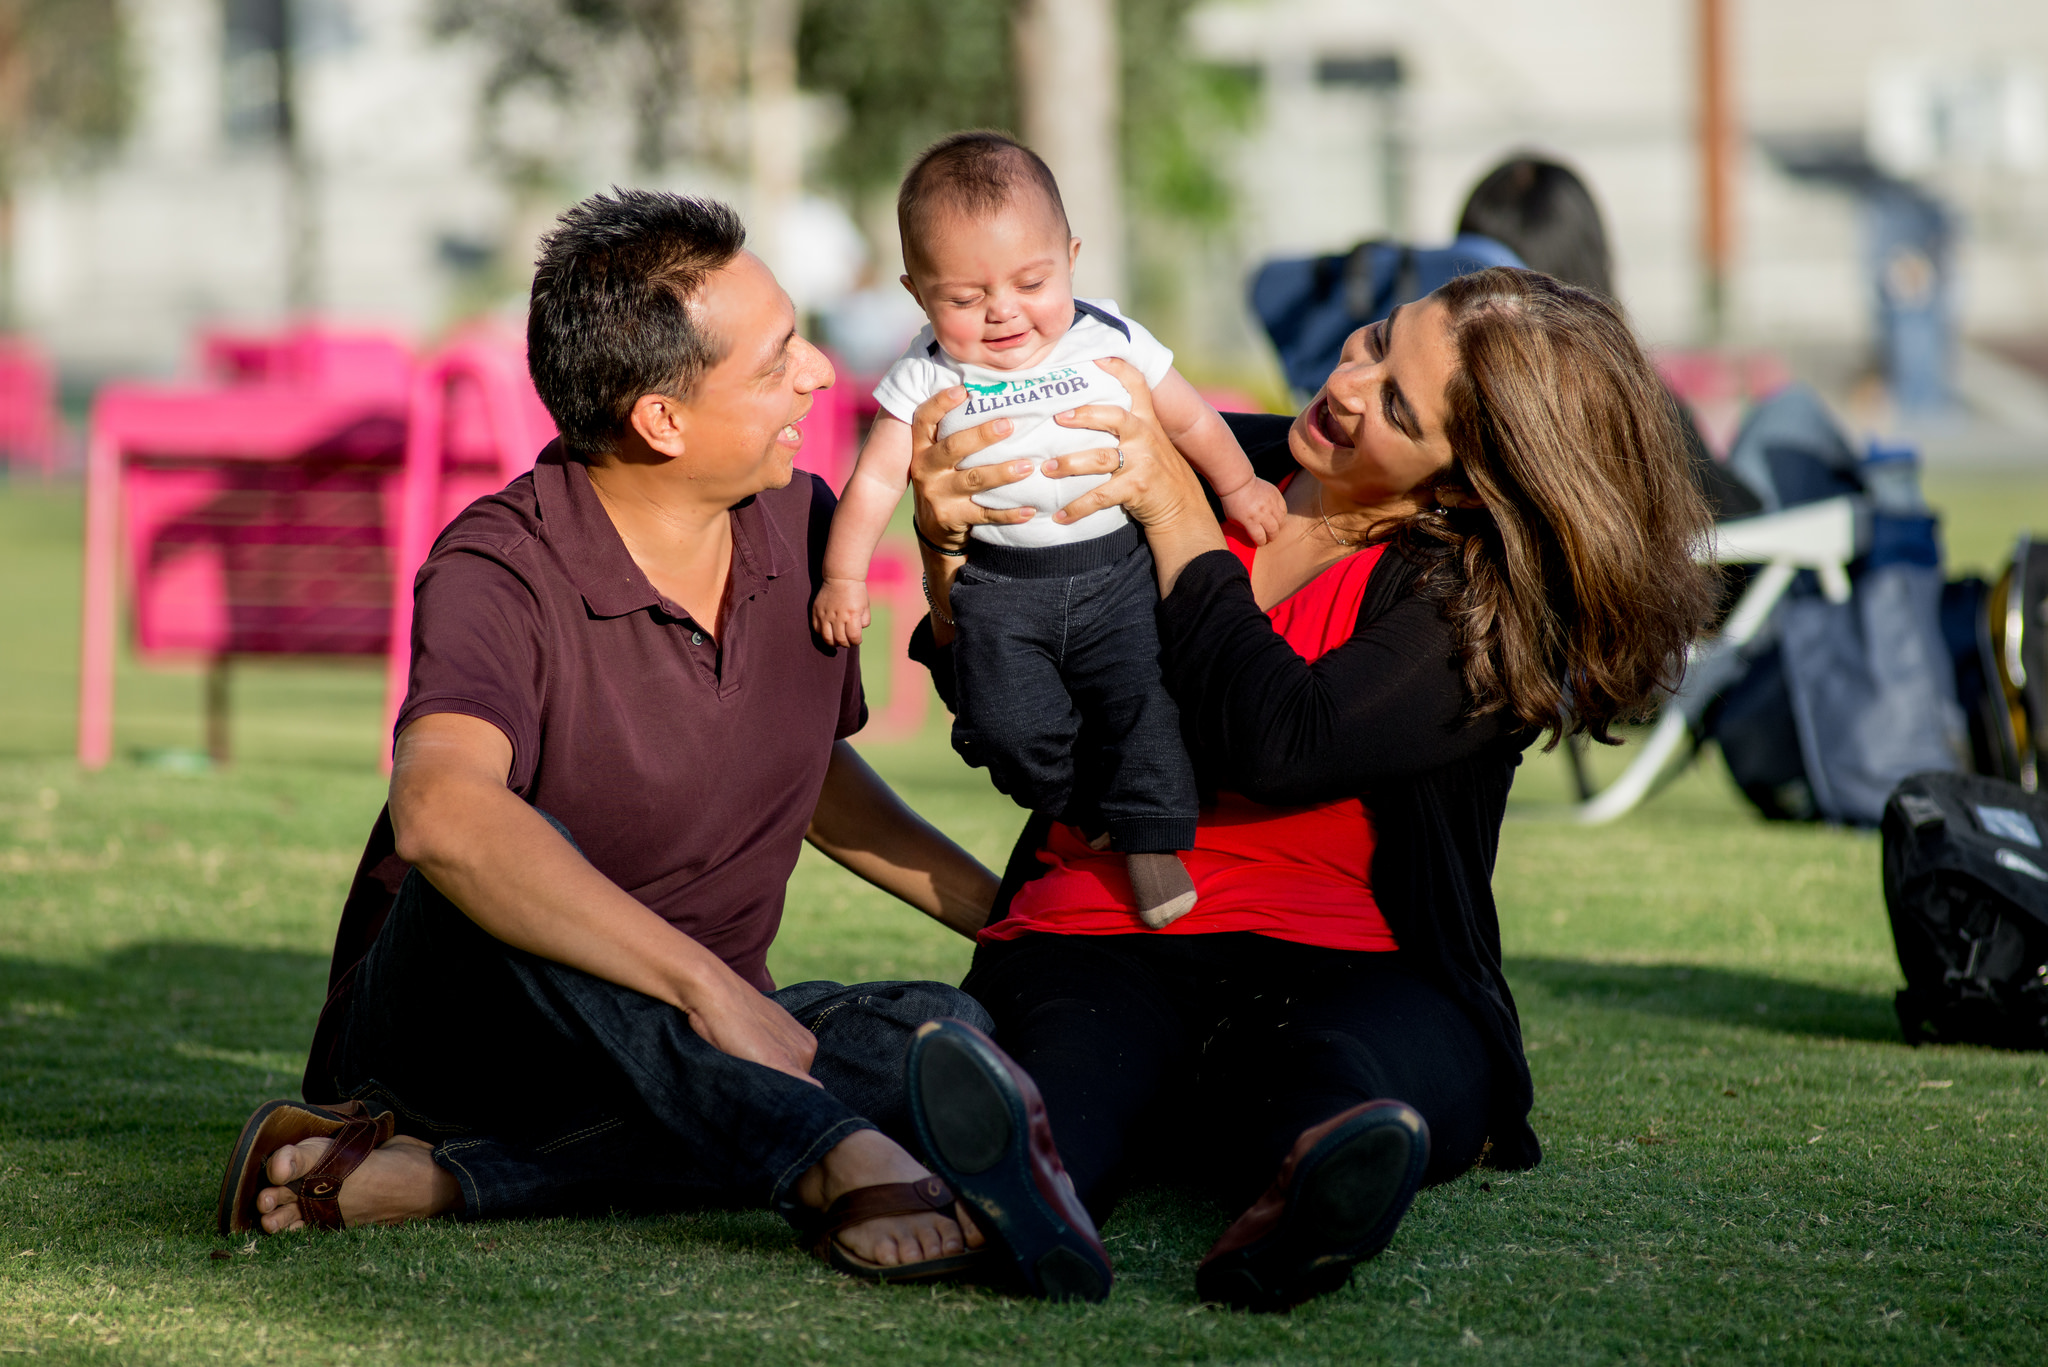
(685, 767)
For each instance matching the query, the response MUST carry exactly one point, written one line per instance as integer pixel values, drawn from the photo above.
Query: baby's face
(999, 290)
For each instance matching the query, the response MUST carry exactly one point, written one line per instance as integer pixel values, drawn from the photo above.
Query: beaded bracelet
(933, 603)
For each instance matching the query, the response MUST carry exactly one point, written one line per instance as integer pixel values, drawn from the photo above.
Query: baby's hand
(841, 611)
(1258, 507)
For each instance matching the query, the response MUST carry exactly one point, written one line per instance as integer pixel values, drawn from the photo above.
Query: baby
(1056, 652)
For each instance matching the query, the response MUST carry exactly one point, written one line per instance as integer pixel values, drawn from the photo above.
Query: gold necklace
(1327, 528)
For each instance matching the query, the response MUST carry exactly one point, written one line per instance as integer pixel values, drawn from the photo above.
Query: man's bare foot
(870, 1158)
(396, 1183)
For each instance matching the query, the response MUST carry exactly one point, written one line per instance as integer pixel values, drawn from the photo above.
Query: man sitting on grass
(550, 989)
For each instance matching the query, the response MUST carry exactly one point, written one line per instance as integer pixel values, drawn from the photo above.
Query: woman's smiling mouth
(1325, 423)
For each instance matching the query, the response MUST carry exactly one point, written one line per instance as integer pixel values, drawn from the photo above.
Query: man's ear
(659, 420)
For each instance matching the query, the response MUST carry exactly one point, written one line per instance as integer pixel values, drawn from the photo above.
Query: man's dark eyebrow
(1404, 413)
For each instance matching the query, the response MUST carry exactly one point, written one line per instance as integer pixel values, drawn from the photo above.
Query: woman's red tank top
(1294, 873)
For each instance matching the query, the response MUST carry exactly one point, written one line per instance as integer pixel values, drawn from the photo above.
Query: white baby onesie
(1068, 378)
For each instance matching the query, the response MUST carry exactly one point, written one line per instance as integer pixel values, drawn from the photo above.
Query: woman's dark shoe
(984, 1128)
(1339, 1197)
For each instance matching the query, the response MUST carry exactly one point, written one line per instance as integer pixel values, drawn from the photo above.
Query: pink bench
(28, 407)
(283, 506)
(475, 425)
(251, 508)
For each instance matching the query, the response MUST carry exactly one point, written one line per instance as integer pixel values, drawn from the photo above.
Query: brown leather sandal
(356, 1134)
(926, 1194)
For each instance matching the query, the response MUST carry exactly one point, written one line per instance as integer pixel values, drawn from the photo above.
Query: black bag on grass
(1966, 884)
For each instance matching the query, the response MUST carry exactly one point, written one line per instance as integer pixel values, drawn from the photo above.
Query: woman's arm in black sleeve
(1389, 702)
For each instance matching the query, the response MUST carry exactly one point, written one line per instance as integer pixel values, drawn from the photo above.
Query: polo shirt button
(696, 638)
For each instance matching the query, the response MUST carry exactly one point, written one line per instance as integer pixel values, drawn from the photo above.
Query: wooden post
(1071, 80)
(97, 624)
(217, 747)
(1718, 150)
(301, 189)
(775, 127)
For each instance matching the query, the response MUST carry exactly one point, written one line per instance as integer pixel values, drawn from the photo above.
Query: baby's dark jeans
(1059, 691)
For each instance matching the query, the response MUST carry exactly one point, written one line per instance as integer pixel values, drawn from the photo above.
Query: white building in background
(415, 224)
(187, 226)
(1953, 95)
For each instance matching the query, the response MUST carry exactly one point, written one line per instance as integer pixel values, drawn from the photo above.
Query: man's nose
(813, 369)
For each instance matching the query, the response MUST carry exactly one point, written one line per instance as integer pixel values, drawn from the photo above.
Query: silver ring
(1119, 461)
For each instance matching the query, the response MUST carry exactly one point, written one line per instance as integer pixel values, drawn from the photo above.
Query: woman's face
(1374, 436)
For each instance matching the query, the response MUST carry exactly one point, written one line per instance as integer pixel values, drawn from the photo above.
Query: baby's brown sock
(1165, 892)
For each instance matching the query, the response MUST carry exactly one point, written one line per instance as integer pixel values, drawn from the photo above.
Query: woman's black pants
(1207, 1055)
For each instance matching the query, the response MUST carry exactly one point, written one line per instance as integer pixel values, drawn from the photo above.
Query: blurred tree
(1180, 117)
(65, 92)
(905, 71)
(909, 72)
(571, 51)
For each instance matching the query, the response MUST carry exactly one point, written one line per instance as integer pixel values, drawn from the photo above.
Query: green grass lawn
(1743, 1163)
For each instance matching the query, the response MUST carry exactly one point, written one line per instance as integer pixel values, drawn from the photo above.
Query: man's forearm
(514, 875)
(861, 824)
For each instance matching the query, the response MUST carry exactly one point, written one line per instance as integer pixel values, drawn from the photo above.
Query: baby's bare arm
(1200, 434)
(869, 499)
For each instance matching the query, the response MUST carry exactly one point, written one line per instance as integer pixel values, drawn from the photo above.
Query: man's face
(739, 423)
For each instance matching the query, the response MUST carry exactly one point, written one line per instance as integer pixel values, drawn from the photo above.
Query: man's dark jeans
(1059, 689)
(547, 1090)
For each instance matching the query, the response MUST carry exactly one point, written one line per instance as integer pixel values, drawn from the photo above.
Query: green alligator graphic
(998, 387)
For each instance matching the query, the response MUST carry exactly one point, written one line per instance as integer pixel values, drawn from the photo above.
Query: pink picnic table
(285, 506)
(28, 406)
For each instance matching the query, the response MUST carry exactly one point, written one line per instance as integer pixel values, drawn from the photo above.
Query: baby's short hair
(973, 173)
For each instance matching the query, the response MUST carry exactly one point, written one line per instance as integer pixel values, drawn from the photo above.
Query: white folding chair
(1823, 537)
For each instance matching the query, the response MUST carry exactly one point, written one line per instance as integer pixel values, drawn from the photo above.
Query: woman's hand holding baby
(1155, 485)
(942, 493)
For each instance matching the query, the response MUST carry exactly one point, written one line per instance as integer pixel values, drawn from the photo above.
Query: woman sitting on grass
(1489, 536)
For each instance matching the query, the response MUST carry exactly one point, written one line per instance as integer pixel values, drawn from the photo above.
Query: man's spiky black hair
(609, 318)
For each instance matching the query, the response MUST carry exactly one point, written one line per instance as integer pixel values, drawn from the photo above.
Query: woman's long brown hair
(1565, 555)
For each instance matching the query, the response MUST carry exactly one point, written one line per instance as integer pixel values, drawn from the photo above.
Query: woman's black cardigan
(1380, 718)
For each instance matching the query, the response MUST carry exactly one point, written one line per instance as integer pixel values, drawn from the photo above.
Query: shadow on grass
(1719, 995)
(158, 1034)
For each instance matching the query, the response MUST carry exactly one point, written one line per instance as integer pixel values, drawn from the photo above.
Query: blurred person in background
(1542, 212)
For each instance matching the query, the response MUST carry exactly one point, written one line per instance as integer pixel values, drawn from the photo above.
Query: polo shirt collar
(575, 524)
